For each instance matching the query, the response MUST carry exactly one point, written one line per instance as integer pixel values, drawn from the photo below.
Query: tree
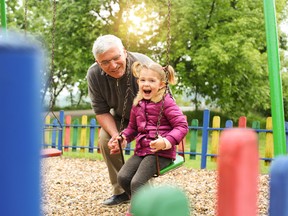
(66, 30)
(218, 48)
(221, 52)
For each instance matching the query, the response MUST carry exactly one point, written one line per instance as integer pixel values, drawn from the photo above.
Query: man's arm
(107, 122)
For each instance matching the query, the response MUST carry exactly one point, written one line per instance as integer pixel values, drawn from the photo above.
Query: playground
(77, 187)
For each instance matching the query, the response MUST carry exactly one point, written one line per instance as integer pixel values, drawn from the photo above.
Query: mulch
(79, 186)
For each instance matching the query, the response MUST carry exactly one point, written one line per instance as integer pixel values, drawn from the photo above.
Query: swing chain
(168, 39)
(121, 128)
(123, 113)
(167, 90)
(162, 102)
(128, 6)
(51, 81)
(25, 16)
(125, 102)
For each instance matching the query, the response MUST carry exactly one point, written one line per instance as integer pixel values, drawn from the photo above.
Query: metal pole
(3, 16)
(275, 78)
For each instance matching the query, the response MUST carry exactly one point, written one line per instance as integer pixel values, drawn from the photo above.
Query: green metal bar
(193, 138)
(275, 78)
(3, 15)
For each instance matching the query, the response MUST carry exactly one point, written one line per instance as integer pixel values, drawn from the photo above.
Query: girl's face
(149, 83)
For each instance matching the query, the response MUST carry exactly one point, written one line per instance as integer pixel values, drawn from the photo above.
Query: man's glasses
(105, 63)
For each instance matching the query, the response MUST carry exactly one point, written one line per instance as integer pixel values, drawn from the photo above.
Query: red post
(67, 133)
(238, 173)
(242, 122)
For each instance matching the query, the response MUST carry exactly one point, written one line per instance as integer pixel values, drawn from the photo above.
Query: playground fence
(67, 135)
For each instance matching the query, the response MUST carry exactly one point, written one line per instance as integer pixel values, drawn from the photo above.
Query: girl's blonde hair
(162, 71)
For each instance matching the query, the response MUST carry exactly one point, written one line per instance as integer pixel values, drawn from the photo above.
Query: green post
(3, 15)
(275, 78)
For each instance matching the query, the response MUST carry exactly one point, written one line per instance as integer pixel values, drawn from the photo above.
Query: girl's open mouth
(147, 91)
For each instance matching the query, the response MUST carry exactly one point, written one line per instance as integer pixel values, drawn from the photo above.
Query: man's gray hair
(105, 42)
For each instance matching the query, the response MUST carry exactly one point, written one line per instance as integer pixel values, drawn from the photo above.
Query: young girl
(144, 125)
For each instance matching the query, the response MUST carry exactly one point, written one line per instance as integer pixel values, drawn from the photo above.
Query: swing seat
(179, 161)
(50, 152)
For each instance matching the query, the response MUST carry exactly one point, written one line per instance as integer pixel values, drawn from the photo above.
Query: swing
(52, 152)
(49, 82)
(50, 78)
(49, 152)
(180, 158)
(179, 161)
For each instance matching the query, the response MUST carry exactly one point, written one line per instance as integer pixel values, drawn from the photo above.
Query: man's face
(113, 61)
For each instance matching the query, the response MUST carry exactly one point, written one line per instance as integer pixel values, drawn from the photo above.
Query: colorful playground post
(275, 78)
(20, 67)
(279, 187)
(238, 169)
(3, 15)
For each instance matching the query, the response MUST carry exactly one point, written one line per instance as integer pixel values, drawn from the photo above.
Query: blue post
(229, 124)
(92, 135)
(279, 187)
(60, 134)
(20, 131)
(128, 149)
(54, 133)
(205, 134)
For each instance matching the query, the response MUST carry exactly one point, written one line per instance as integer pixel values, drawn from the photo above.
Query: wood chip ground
(77, 187)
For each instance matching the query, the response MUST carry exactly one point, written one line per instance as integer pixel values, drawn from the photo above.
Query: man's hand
(114, 143)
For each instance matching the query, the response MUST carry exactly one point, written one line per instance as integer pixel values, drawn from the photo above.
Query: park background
(218, 48)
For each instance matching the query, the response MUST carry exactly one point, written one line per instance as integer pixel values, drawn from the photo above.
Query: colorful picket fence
(68, 134)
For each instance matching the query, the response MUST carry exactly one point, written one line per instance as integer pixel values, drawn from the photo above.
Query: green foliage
(82, 106)
(285, 94)
(218, 48)
(221, 53)
(198, 114)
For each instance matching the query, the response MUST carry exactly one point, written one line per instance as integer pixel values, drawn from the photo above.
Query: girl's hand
(157, 144)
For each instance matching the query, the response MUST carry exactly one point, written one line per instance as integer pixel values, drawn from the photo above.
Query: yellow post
(215, 137)
(269, 141)
(83, 133)
(47, 132)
